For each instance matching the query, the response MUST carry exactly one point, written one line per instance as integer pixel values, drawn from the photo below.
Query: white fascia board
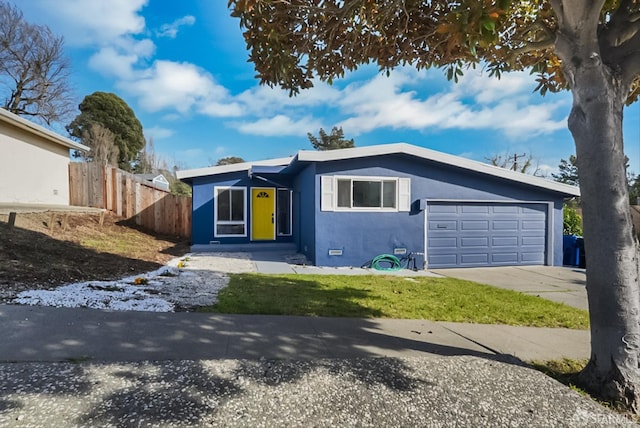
(222, 169)
(33, 128)
(444, 158)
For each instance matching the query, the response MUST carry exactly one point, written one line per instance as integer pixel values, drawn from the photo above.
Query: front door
(263, 211)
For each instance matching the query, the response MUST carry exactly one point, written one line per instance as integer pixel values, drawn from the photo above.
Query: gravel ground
(428, 392)
(183, 284)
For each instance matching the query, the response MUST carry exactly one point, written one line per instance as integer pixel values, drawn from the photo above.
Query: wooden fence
(95, 185)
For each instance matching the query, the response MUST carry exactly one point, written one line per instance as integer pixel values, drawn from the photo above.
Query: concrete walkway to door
(561, 284)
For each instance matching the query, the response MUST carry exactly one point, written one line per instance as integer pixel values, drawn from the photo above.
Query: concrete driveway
(561, 284)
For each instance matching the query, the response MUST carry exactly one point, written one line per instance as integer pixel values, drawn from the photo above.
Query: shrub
(572, 222)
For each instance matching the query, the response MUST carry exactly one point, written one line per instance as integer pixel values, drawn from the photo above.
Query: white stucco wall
(32, 169)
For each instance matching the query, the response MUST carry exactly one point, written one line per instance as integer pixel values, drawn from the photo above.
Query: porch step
(245, 248)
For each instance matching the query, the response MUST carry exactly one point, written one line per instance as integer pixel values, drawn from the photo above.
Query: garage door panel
(504, 258)
(444, 243)
(537, 241)
(537, 209)
(505, 225)
(445, 260)
(506, 209)
(535, 225)
(482, 241)
(504, 241)
(444, 225)
(534, 257)
(474, 225)
(474, 209)
(474, 259)
(477, 234)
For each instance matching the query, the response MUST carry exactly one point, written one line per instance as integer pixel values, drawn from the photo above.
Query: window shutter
(326, 188)
(404, 194)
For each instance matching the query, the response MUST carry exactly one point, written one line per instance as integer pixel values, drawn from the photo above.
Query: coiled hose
(392, 261)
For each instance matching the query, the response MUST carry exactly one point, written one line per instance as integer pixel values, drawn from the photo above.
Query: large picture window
(230, 211)
(352, 193)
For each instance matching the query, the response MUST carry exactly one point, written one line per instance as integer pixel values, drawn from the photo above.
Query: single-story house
(345, 207)
(34, 162)
(157, 180)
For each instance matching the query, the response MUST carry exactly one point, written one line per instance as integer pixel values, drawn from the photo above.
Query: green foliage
(438, 299)
(113, 113)
(568, 171)
(177, 187)
(634, 189)
(332, 141)
(572, 224)
(229, 160)
(293, 43)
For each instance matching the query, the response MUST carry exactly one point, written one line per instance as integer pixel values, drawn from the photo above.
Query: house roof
(151, 177)
(234, 167)
(306, 156)
(33, 128)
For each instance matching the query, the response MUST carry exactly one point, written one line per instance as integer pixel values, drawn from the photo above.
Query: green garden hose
(393, 261)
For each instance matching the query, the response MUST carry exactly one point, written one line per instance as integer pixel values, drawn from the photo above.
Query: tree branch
(530, 47)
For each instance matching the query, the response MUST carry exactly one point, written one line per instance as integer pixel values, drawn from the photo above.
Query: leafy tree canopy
(291, 42)
(332, 141)
(229, 160)
(567, 171)
(591, 47)
(113, 113)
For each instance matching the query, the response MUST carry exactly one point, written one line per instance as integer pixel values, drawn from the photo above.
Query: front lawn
(437, 299)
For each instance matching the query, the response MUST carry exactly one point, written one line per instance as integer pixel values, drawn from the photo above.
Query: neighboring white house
(158, 180)
(34, 162)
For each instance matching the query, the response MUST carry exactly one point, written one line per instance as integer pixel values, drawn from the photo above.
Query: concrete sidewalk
(33, 333)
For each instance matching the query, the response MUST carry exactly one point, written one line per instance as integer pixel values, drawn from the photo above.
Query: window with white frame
(230, 211)
(353, 193)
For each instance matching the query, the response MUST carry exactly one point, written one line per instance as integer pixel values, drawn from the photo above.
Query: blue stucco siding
(363, 235)
(306, 204)
(203, 206)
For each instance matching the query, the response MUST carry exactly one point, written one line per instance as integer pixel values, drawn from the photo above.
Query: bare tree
(523, 163)
(148, 161)
(102, 142)
(34, 73)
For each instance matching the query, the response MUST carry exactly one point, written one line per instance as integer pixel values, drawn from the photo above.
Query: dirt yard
(45, 250)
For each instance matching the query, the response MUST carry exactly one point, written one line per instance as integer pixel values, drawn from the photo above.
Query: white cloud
(158, 133)
(84, 23)
(171, 30)
(279, 125)
(478, 102)
(179, 86)
(262, 99)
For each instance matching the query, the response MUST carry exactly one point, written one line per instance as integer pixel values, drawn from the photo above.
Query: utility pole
(515, 160)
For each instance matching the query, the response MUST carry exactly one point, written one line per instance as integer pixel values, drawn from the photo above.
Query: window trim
(353, 178)
(290, 212)
(216, 222)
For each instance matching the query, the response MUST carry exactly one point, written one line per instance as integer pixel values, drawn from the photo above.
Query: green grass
(438, 299)
(563, 370)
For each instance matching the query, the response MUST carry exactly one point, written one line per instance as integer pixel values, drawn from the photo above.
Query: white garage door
(486, 234)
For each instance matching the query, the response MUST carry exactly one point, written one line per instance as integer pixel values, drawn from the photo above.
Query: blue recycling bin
(570, 250)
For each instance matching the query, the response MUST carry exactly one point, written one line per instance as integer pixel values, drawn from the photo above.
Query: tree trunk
(610, 244)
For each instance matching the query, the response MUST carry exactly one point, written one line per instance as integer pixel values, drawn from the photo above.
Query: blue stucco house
(344, 207)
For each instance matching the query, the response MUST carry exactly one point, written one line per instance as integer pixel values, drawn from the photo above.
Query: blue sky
(182, 67)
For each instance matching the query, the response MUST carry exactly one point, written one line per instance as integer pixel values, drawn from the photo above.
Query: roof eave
(188, 174)
(33, 128)
(439, 157)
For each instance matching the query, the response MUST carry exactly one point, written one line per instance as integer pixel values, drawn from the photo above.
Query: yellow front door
(263, 212)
